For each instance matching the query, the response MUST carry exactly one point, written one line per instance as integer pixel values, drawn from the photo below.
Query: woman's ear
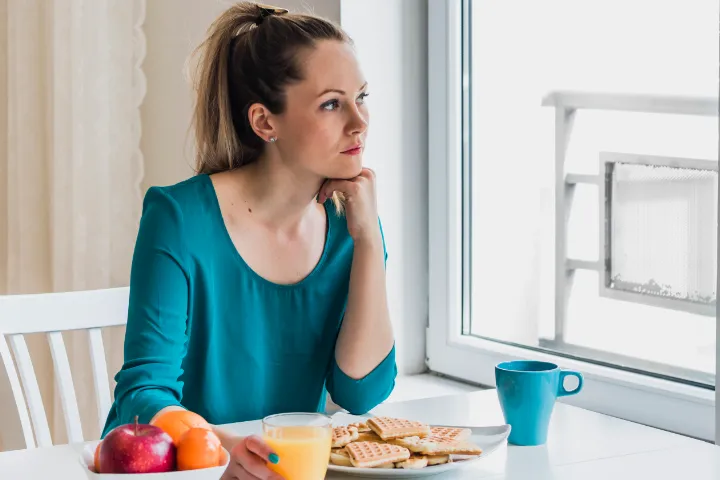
(261, 122)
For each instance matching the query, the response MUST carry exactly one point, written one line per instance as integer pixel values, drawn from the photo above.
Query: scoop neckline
(239, 258)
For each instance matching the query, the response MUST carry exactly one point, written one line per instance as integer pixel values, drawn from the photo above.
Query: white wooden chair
(53, 313)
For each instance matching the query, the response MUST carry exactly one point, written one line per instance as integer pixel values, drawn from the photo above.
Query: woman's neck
(275, 195)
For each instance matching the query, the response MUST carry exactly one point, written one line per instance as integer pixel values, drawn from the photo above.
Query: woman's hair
(250, 56)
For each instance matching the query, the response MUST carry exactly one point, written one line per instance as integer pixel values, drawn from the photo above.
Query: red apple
(137, 448)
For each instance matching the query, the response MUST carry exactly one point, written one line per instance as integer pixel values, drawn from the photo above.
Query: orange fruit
(176, 422)
(96, 458)
(198, 448)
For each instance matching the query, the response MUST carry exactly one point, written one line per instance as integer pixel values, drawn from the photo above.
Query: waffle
(368, 437)
(438, 446)
(415, 462)
(341, 436)
(372, 454)
(455, 434)
(362, 427)
(340, 457)
(438, 459)
(389, 428)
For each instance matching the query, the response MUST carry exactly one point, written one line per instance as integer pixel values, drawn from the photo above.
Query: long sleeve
(362, 395)
(359, 396)
(155, 340)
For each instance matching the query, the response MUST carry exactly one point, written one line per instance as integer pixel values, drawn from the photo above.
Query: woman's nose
(358, 123)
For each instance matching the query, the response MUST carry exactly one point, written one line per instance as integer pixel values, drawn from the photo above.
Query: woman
(259, 284)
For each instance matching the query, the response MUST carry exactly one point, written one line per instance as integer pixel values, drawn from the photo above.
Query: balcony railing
(566, 105)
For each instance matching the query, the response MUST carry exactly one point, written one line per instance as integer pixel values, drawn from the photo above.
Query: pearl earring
(272, 139)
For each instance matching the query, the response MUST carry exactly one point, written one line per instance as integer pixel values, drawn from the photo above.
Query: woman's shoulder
(174, 215)
(188, 198)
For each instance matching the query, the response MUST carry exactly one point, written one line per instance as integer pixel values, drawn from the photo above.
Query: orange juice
(304, 451)
(302, 441)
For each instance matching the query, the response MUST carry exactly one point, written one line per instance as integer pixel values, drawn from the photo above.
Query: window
(573, 198)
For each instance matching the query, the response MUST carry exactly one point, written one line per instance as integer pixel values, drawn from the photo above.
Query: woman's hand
(360, 204)
(248, 460)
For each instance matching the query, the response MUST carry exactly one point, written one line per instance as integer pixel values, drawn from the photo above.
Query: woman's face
(324, 126)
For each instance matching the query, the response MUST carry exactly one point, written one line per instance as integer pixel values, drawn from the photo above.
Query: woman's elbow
(361, 402)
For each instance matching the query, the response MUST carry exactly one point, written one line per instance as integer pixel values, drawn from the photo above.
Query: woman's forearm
(366, 336)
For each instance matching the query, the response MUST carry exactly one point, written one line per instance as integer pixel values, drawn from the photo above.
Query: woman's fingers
(252, 455)
(348, 187)
(257, 446)
(368, 173)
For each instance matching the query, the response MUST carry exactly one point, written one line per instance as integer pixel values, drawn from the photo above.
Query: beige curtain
(70, 165)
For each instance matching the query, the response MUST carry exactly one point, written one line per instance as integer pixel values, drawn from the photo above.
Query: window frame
(657, 402)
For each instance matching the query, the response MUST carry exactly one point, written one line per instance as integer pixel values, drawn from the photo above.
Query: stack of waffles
(385, 442)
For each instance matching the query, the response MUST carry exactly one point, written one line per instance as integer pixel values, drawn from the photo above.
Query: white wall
(391, 41)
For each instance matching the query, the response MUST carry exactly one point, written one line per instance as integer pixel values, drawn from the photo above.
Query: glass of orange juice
(302, 441)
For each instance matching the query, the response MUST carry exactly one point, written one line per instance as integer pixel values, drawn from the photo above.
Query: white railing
(566, 104)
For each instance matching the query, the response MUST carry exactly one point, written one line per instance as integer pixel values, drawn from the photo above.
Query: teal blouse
(207, 333)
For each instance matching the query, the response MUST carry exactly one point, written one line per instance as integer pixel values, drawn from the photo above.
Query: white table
(581, 444)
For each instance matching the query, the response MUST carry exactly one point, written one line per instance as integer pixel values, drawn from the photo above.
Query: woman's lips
(353, 151)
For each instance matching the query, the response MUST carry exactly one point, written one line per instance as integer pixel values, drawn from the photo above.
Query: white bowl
(87, 462)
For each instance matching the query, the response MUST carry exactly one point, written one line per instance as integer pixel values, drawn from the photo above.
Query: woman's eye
(334, 104)
(330, 105)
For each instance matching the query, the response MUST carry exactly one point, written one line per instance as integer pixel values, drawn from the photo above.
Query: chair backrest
(51, 314)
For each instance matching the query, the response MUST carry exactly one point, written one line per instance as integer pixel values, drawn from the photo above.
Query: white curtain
(70, 164)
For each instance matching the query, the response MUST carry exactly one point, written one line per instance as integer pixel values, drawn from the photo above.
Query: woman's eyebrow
(341, 92)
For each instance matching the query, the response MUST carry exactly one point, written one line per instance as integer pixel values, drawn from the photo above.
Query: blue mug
(527, 391)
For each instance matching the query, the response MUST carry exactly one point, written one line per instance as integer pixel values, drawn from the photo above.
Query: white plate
(487, 438)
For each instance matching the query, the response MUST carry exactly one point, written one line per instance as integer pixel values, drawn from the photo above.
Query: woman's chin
(350, 170)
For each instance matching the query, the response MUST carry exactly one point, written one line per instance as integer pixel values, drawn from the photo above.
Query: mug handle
(562, 392)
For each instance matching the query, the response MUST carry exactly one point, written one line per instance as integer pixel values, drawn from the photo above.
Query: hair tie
(267, 11)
